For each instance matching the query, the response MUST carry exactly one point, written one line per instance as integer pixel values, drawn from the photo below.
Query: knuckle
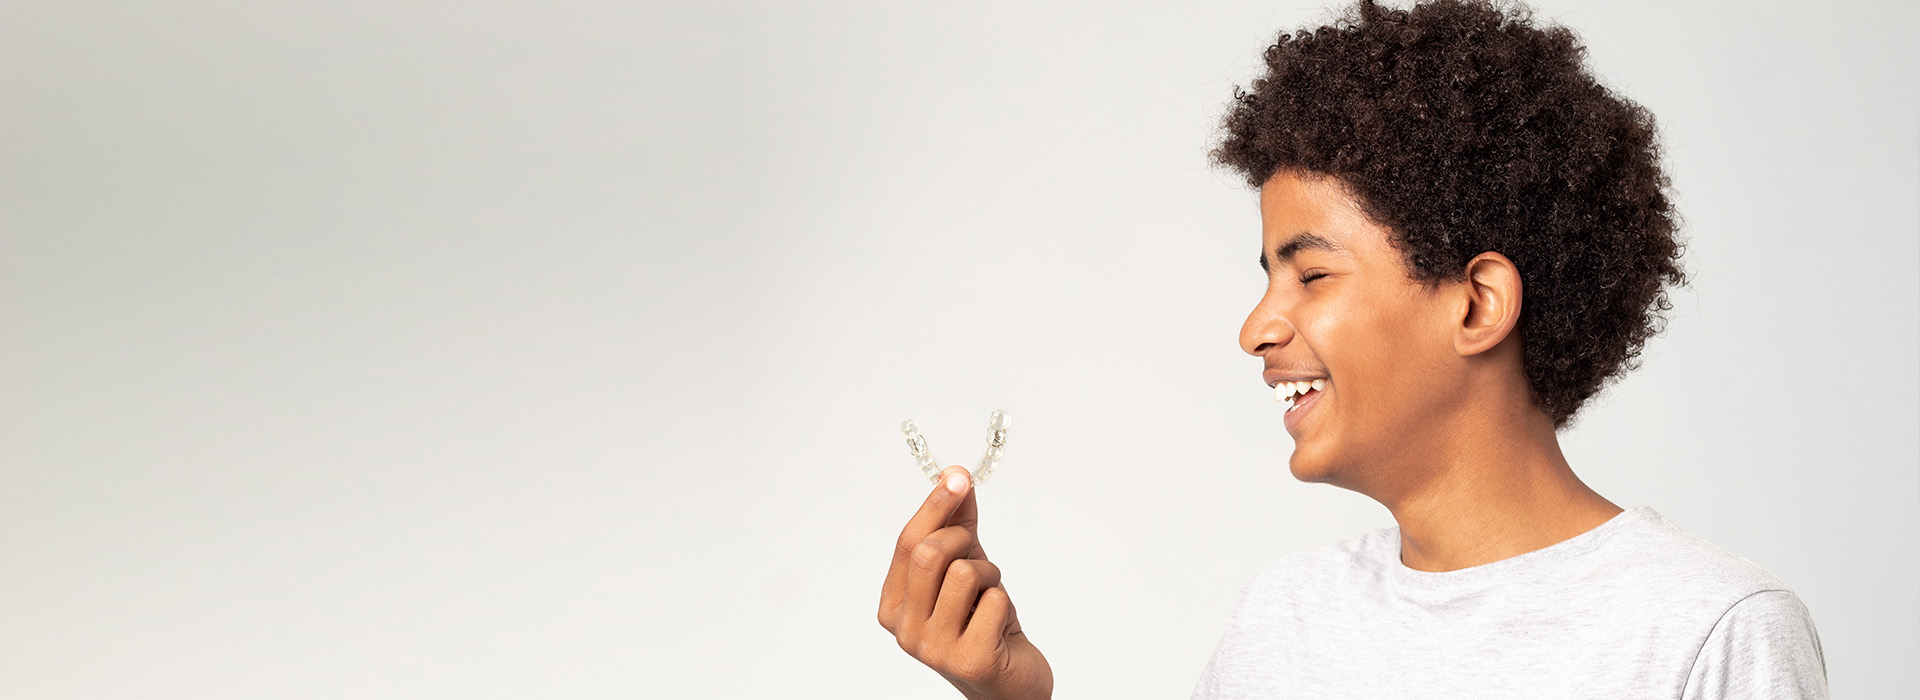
(924, 650)
(994, 605)
(999, 603)
(927, 555)
(963, 573)
(973, 668)
(988, 593)
(997, 596)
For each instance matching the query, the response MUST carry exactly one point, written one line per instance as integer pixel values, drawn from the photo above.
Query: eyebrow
(1293, 246)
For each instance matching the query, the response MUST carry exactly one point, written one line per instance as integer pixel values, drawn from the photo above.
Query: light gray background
(417, 349)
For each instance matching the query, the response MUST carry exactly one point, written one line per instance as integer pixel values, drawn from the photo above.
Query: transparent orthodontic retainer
(996, 446)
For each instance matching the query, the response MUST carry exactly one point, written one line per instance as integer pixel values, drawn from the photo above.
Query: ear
(1492, 296)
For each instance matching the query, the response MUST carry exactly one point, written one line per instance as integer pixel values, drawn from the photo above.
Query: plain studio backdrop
(431, 349)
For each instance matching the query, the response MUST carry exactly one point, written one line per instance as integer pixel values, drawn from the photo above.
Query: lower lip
(1299, 411)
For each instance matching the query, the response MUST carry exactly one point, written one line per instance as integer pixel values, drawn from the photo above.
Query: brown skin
(1426, 409)
(944, 604)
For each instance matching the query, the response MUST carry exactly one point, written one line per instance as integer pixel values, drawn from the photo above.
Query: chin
(1311, 468)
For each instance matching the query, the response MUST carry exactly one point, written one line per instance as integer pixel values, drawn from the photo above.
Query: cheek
(1379, 352)
(1415, 354)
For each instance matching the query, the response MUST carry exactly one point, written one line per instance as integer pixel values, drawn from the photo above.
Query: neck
(1498, 488)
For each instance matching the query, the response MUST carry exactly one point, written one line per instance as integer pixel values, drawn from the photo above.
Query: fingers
(945, 604)
(937, 616)
(961, 588)
(927, 571)
(993, 619)
(948, 498)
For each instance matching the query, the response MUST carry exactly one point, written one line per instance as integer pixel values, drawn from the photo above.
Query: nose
(1267, 328)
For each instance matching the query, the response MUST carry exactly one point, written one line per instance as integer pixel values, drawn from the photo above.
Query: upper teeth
(1285, 391)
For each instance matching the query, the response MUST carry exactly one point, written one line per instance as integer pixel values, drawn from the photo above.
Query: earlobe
(1493, 293)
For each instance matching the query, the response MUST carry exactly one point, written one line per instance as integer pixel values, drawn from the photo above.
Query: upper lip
(1274, 376)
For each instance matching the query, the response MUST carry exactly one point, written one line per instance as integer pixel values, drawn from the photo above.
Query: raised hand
(944, 604)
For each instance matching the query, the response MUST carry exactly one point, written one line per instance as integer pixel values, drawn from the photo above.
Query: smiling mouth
(1292, 393)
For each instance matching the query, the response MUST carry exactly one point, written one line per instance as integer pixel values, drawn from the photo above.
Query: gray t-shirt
(1634, 608)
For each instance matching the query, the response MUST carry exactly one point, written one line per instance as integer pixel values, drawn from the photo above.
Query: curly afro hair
(1462, 128)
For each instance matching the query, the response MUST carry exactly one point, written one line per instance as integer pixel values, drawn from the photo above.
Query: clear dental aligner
(997, 423)
(918, 445)
(996, 446)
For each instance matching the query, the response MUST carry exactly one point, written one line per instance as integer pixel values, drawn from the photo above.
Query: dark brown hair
(1463, 128)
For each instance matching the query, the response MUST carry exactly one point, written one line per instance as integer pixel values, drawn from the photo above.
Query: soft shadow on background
(510, 349)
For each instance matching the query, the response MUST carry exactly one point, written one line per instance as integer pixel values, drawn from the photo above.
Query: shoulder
(1738, 630)
(1682, 568)
(1765, 646)
(1757, 639)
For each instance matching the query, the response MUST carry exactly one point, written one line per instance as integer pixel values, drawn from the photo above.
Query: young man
(1465, 236)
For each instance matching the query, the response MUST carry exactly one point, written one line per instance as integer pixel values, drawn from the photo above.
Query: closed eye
(1311, 275)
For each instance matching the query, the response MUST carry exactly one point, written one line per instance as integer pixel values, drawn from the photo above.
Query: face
(1341, 314)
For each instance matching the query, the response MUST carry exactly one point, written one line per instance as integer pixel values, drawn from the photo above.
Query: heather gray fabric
(1634, 608)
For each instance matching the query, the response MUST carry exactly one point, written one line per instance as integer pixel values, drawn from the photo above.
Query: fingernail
(956, 482)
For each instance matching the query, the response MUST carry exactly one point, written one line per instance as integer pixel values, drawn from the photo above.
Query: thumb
(967, 514)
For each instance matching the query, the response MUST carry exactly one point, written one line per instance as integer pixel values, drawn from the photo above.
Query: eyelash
(1311, 276)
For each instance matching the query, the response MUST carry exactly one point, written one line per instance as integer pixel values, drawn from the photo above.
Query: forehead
(1292, 205)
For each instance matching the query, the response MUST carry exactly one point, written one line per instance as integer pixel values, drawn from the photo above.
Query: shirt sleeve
(1765, 646)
